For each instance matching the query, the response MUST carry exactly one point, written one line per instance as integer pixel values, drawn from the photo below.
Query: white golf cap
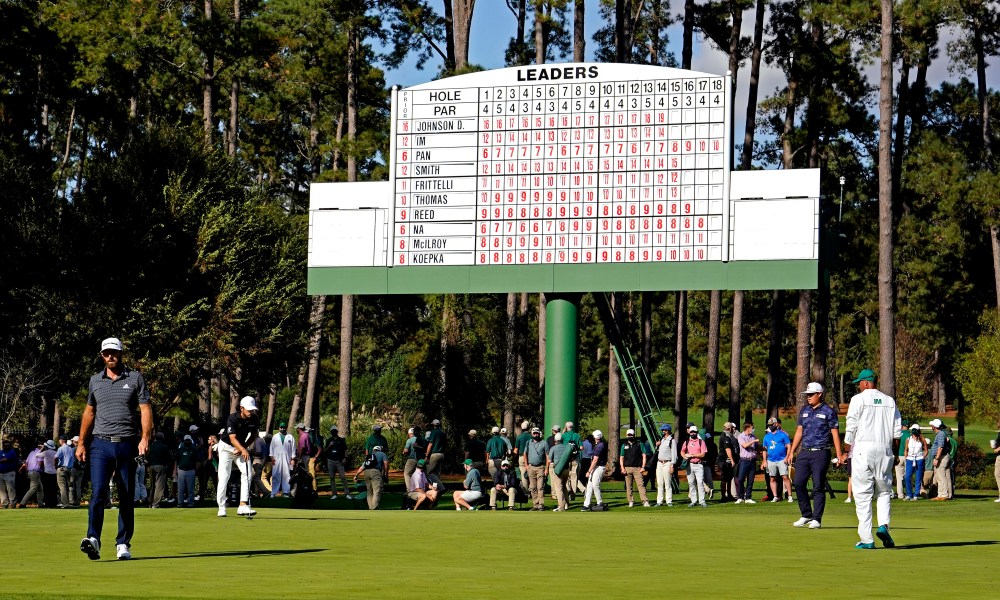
(495, 430)
(248, 403)
(936, 423)
(915, 426)
(111, 344)
(812, 388)
(76, 438)
(597, 434)
(188, 438)
(193, 428)
(525, 424)
(300, 426)
(558, 437)
(503, 430)
(472, 432)
(436, 422)
(377, 449)
(630, 432)
(555, 428)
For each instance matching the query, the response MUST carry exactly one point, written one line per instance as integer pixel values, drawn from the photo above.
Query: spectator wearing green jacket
(572, 439)
(496, 451)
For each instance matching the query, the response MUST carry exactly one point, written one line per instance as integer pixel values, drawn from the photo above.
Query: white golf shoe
(122, 552)
(802, 522)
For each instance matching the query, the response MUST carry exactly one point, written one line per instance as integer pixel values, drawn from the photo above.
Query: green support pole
(561, 336)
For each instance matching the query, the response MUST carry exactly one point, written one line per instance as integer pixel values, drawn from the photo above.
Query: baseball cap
(936, 423)
(63, 438)
(111, 344)
(535, 430)
(300, 426)
(503, 430)
(915, 427)
(436, 422)
(495, 430)
(865, 375)
(630, 432)
(282, 424)
(248, 403)
(421, 463)
(467, 461)
(505, 463)
(472, 432)
(812, 388)
(524, 424)
(598, 434)
(193, 428)
(558, 437)
(377, 449)
(376, 428)
(188, 438)
(76, 438)
(555, 428)
(772, 421)
(666, 427)
(333, 428)
(693, 429)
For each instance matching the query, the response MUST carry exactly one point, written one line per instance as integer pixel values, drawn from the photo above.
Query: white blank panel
(775, 229)
(346, 238)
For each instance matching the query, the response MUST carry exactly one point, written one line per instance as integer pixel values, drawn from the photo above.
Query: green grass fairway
(724, 551)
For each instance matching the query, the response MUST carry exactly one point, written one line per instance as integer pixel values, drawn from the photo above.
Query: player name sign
(575, 164)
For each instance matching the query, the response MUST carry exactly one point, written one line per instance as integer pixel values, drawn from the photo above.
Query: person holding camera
(748, 464)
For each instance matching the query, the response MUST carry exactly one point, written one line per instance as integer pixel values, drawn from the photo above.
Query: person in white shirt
(873, 422)
(666, 458)
(914, 454)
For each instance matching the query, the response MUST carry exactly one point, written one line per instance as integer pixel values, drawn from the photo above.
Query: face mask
(752, 431)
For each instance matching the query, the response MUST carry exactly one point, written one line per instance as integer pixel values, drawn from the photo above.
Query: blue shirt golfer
(818, 430)
(110, 436)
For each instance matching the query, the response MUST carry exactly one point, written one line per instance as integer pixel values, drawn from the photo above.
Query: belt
(815, 449)
(116, 438)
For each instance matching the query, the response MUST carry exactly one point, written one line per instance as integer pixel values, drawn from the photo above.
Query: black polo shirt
(116, 403)
(246, 430)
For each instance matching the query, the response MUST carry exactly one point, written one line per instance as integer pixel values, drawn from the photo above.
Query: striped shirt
(116, 403)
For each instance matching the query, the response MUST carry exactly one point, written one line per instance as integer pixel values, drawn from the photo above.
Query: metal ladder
(636, 379)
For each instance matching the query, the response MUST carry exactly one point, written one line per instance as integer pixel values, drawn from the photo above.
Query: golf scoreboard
(561, 164)
(564, 177)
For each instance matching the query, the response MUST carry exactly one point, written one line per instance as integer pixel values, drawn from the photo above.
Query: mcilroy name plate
(561, 164)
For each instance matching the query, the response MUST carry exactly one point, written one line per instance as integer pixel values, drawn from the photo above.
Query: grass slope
(721, 551)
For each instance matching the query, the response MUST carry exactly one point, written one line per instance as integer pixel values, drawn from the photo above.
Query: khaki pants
(942, 474)
(574, 475)
(634, 474)
(536, 485)
(36, 489)
(511, 494)
(996, 472)
(374, 484)
(559, 485)
(900, 475)
(522, 464)
(408, 469)
(63, 475)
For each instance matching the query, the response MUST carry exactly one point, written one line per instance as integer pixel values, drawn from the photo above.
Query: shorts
(471, 496)
(775, 468)
(414, 495)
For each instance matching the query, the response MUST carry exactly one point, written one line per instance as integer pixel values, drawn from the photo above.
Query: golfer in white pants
(666, 459)
(240, 433)
(595, 472)
(873, 422)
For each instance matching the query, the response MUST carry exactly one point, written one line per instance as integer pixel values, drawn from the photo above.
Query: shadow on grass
(948, 544)
(233, 553)
(324, 518)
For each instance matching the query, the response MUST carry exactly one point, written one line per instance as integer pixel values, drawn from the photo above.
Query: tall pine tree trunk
(208, 76)
(614, 390)
(542, 16)
(234, 87)
(736, 358)
(712, 360)
(680, 371)
(541, 354)
(462, 15)
(316, 317)
(886, 271)
(510, 372)
(579, 34)
(687, 47)
(346, 352)
(774, 355)
(272, 395)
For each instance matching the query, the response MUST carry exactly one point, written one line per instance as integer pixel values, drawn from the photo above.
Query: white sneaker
(814, 524)
(801, 522)
(997, 500)
(646, 504)
(222, 511)
(739, 501)
(749, 501)
(245, 511)
(775, 499)
(122, 552)
(848, 501)
(349, 497)
(459, 508)
(789, 498)
(631, 504)
(197, 498)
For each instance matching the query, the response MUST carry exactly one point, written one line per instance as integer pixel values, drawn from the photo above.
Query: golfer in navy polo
(111, 437)
(817, 432)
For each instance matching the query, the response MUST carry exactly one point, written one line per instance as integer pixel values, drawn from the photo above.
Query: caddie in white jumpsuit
(281, 452)
(873, 422)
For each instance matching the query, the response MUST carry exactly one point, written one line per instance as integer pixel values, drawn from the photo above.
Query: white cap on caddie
(248, 403)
